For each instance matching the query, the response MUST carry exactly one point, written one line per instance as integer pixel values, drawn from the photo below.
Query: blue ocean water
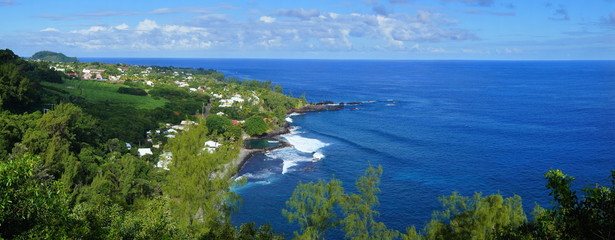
(434, 126)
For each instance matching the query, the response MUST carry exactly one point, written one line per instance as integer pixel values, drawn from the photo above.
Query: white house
(165, 159)
(210, 146)
(145, 151)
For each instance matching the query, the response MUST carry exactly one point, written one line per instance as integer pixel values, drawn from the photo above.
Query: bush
(255, 126)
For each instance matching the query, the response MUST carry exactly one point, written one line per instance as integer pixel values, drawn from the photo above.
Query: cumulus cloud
(297, 30)
(50, 29)
(267, 19)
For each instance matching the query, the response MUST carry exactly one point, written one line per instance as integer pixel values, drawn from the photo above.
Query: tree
(475, 218)
(31, 203)
(217, 124)
(314, 207)
(17, 92)
(277, 88)
(359, 222)
(255, 126)
(198, 181)
(590, 216)
(59, 134)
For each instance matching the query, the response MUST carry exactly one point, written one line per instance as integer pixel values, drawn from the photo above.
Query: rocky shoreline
(247, 153)
(322, 106)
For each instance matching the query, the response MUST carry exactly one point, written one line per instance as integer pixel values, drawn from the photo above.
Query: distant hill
(52, 57)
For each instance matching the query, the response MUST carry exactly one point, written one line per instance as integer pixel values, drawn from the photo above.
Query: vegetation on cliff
(50, 56)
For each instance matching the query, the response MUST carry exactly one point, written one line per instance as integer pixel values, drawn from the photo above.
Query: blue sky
(322, 29)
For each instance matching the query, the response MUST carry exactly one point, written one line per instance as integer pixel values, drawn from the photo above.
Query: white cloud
(267, 19)
(298, 30)
(146, 25)
(122, 27)
(50, 29)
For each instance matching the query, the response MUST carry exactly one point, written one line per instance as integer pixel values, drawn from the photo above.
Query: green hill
(52, 57)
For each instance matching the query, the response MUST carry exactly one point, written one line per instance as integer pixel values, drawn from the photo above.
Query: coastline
(246, 153)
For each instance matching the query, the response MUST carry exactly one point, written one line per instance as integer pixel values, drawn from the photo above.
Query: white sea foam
(303, 144)
(305, 150)
(290, 157)
(288, 119)
(294, 114)
(258, 175)
(318, 155)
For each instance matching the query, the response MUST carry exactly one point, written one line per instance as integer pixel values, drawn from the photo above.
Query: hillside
(52, 57)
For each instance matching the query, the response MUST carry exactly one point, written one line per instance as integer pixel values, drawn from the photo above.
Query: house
(145, 151)
(165, 159)
(98, 76)
(87, 76)
(210, 146)
(149, 83)
(186, 123)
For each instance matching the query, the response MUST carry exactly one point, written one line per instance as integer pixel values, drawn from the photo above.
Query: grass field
(97, 91)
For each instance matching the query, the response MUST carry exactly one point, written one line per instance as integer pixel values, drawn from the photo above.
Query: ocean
(434, 126)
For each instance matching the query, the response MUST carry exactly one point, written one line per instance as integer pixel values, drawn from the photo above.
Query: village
(232, 101)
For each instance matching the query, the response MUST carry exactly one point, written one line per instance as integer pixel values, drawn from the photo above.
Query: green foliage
(52, 57)
(7, 55)
(42, 72)
(132, 91)
(12, 129)
(17, 91)
(475, 218)
(359, 221)
(314, 207)
(199, 181)
(256, 126)
(590, 216)
(30, 201)
(217, 124)
(59, 134)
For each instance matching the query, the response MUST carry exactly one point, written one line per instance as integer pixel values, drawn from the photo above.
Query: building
(145, 151)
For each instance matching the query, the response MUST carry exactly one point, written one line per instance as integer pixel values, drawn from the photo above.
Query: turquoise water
(434, 126)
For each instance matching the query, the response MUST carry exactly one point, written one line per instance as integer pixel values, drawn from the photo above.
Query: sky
(315, 29)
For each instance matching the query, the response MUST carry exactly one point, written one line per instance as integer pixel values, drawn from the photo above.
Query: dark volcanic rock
(308, 108)
(316, 108)
(335, 107)
(354, 103)
(324, 103)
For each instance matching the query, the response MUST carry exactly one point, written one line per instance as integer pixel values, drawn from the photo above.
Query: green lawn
(97, 91)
